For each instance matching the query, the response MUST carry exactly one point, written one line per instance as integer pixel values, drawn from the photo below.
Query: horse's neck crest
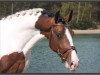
(30, 12)
(18, 29)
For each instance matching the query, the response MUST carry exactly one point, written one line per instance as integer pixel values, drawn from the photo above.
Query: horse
(19, 32)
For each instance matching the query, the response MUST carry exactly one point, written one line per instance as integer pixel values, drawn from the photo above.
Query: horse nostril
(72, 66)
(71, 63)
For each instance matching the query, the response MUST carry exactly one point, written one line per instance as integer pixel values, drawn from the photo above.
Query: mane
(16, 27)
(33, 11)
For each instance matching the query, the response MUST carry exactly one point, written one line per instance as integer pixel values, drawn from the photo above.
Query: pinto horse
(20, 31)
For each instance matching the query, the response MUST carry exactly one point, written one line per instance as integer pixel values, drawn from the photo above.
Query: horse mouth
(73, 66)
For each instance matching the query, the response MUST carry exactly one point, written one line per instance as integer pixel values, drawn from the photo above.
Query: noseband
(66, 50)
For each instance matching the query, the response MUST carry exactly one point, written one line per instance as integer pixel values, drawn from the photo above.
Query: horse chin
(66, 65)
(71, 67)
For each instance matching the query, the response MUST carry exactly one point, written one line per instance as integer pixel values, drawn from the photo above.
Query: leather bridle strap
(65, 51)
(71, 48)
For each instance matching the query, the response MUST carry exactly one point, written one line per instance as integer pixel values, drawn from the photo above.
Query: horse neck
(18, 34)
(32, 42)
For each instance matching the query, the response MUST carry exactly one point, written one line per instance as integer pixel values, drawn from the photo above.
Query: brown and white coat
(19, 33)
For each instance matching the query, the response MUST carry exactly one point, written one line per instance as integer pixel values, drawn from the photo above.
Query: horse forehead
(59, 28)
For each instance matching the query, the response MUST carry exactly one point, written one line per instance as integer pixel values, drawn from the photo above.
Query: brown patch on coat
(12, 63)
(58, 39)
(44, 23)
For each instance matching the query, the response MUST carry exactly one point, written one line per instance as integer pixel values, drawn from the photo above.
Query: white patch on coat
(16, 32)
(66, 65)
(69, 37)
(74, 56)
(28, 46)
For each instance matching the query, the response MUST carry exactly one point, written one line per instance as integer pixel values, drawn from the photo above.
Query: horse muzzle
(73, 66)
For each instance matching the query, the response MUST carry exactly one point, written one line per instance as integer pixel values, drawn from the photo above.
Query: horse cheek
(53, 43)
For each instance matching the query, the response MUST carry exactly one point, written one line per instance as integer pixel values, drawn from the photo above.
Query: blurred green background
(86, 14)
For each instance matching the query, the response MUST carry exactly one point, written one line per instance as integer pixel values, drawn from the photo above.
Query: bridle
(62, 54)
(67, 50)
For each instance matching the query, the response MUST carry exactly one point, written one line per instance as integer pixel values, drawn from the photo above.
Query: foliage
(85, 24)
(83, 11)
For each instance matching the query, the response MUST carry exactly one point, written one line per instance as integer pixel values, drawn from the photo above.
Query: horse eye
(58, 34)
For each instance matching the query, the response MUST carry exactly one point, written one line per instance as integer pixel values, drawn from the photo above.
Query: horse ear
(57, 15)
(69, 17)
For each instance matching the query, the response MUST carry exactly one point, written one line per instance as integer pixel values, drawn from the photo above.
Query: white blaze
(74, 57)
(69, 37)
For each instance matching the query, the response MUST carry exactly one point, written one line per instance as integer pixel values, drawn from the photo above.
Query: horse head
(59, 36)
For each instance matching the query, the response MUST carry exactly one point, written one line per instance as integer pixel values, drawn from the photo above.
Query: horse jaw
(74, 61)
